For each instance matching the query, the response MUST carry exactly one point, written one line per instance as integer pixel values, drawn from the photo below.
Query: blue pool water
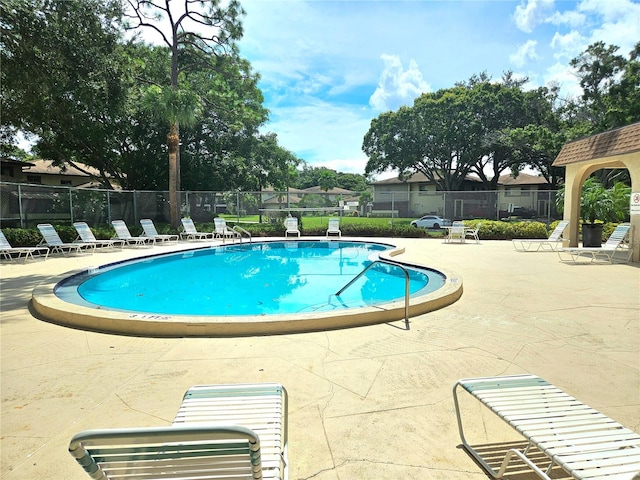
(248, 279)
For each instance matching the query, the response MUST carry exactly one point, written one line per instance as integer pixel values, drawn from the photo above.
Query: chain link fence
(24, 205)
(462, 205)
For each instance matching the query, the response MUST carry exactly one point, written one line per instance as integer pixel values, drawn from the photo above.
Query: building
(525, 195)
(37, 191)
(43, 172)
(619, 148)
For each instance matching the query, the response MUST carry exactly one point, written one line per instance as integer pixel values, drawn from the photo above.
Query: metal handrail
(241, 230)
(406, 284)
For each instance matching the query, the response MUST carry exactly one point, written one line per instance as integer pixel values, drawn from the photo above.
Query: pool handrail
(406, 284)
(242, 231)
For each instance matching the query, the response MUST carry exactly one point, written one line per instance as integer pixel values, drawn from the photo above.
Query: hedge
(489, 230)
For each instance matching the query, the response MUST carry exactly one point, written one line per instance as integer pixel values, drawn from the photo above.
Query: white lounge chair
(535, 244)
(334, 227)
(224, 232)
(455, 232)
(473, 232)
(220, 431)
(8, 252)
(582, 441)
(614, 244)
(191, 233)
(150, 231)
(85, 235)
(122, 233)
(51, 239)
(291, 226)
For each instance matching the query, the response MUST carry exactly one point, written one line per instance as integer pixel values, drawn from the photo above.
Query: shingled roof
(608, 144)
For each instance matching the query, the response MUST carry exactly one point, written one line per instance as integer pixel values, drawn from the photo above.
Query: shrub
(490, 230)
(529, 230)
(495, 230)
(22, 237)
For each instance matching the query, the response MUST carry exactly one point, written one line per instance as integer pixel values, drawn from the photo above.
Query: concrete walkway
(369, 402)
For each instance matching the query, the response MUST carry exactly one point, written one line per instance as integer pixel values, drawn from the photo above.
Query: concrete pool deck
(366, 402)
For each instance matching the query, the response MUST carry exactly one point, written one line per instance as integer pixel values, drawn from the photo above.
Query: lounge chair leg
(523, 457)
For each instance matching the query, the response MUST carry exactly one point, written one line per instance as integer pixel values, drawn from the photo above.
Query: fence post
(135, 207)
(71, 205)
(238, 205)
(108, 208)
(393, 203)
(20, 207)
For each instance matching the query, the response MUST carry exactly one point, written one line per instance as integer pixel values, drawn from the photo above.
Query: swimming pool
(285, 284)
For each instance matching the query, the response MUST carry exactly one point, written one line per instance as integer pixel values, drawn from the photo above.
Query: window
(35, 179)
(7, 171)
(66, 182)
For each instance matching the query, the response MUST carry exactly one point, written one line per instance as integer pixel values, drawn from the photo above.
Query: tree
(610, 85)
(311, 176)
(537, 144)
(64, 79)
(190, 51)
(328, 179)
(352, 181)
(432, 137)
(479, 127)
(220, 152)
(270, 164)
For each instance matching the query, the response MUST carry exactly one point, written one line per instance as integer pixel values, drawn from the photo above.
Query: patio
(368, 402)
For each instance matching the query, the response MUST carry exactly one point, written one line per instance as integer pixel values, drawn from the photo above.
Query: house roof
(417, 177)
(508, 180)
(45, 167)
(17, 163)
(522, 179)
(607, 144)
(289, 190)
(278, 201)
(334, 191)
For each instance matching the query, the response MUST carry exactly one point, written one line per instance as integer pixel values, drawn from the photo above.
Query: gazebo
(619, 148)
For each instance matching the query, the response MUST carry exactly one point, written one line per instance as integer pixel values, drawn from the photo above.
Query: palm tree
(178, 107)
(223, 28)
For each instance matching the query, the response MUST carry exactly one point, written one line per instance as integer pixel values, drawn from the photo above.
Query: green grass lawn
(322, 221)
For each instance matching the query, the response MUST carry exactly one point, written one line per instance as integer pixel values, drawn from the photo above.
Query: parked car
(430, 221)
(517, 213)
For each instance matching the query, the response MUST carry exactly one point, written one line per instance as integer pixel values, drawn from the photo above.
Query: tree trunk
(173, 145)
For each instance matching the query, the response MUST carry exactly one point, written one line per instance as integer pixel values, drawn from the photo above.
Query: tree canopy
(64, 78)
(490, 127)
(86, 93)
(453, 132)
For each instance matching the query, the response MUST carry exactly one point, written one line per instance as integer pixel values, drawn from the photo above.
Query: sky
(329, 67)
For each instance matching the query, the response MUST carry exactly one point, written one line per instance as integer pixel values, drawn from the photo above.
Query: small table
(455, 232)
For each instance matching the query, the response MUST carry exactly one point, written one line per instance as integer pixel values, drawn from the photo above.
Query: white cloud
(525, 52)
(321, 69)
(570, 18)
(316, 128)
(620, 23)
(531, 14)
(615, 22)
(565, 77)
(568, 46)
(347, 165)
(397, 86)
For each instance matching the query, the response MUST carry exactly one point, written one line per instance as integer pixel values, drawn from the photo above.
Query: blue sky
(329, 67)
